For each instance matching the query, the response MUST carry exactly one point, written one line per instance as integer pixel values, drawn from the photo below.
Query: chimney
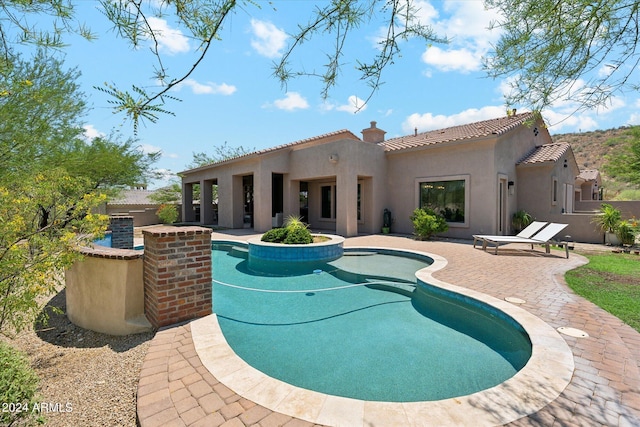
(373, 134)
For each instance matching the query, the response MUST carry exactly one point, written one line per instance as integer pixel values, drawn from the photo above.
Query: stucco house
(477, 174)
(589, 185)
(137, 203)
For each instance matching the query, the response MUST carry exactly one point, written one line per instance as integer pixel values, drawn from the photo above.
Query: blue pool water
(320, 329)
(105, 241)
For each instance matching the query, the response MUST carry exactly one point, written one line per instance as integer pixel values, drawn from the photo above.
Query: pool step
(239, 252)
(405, 289)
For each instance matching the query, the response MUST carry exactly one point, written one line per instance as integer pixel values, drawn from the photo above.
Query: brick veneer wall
(177, 274)
(121, 231)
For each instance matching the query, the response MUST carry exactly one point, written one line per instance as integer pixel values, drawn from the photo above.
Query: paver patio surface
(176, 389)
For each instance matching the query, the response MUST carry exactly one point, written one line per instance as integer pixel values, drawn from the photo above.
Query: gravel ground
(86, 378)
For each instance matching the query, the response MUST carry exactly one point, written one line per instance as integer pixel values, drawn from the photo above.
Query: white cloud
(90, 132)
(353, 105)
(466, 25)
(268, 39)
(634, 119)
(558, 121)
(425, 12)
(209, 88)
(292, 101)
(428, 121)
(169, 39)
(462, 60)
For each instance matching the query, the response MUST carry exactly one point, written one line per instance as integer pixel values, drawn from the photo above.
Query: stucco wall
(142, 215)
(339, 160)
(474, 161)
(536, 196)
(105, 292)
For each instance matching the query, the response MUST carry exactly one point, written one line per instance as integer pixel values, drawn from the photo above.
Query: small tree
(608, 219)
(43, 220)
(426, 223)
(168, 213)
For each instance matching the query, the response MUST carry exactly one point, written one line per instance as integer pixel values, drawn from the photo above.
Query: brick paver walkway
(175, 389)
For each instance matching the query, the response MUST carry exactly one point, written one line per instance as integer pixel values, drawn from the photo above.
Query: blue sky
(233, 97)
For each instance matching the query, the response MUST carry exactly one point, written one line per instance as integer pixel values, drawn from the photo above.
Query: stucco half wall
(105, 292)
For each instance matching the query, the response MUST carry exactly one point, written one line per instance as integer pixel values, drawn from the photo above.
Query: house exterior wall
(483, 163)
(338, 161)
(538, 181)
(391, 180)
(474, 162)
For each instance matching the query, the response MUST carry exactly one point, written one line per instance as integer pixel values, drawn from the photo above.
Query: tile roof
(483, 128)
(133, 197)
(589, 175)
(343, 133)
(547, 153)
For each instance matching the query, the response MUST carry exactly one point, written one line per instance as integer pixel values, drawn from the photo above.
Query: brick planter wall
(177, 274)
(121, 231)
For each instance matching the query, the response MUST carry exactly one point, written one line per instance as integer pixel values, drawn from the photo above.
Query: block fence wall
(177, 274)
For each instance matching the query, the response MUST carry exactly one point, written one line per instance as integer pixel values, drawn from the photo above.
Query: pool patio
(176, 389)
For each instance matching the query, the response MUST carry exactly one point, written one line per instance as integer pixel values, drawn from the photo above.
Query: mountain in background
(591, 149)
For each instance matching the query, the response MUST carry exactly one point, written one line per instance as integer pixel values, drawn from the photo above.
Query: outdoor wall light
(333, 158)
(512, 188)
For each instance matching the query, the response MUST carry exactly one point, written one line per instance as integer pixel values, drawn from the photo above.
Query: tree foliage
(47, 22)
(579, 50)
(624, 163)
(52, 182)
(219, 153)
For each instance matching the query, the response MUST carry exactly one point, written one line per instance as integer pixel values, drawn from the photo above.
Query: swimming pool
(107, 242)
(362, 327)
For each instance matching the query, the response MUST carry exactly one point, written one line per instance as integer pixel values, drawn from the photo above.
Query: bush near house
(168, 213)
(426, 223)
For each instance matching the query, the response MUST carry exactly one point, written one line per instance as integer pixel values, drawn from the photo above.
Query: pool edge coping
(543, 378)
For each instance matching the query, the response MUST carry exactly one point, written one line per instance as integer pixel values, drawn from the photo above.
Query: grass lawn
(611, 281)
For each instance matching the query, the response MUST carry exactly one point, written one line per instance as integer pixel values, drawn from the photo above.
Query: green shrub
(608, 219)
(426, 223)
(293, 221)
(626, 232)
(168, 213)
(521, 220)
(295, 232)
(18, 384)
(298, 236)
(275, 235)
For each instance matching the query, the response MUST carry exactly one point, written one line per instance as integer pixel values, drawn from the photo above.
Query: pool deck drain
(175, 388)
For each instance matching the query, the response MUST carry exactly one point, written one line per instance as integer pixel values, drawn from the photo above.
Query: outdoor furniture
(527, 233)
(542, 237)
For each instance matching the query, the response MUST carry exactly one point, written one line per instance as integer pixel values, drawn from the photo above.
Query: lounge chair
(542, 237)
(527, 233)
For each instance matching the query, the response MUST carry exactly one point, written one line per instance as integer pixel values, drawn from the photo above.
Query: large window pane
(445, 198)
